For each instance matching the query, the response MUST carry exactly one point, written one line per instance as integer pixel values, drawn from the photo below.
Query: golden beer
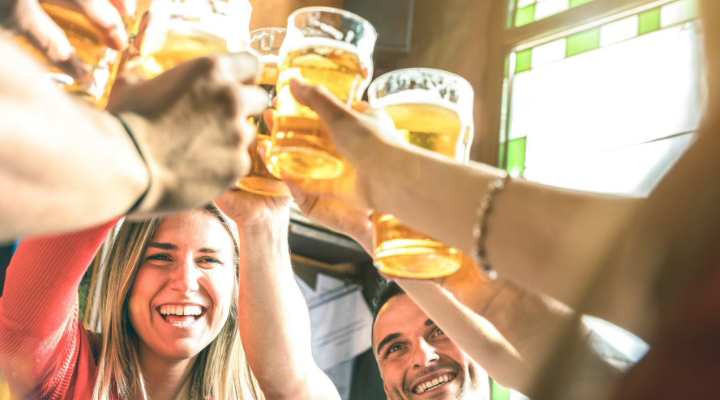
(399, 250)
(259, 180)
(167, 50)
(179, 30)
(431, 109)
(265, 43)
(91, 50)
(301, 146)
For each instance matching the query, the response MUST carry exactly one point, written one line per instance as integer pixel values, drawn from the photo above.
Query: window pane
(527, 11)
(600, 96)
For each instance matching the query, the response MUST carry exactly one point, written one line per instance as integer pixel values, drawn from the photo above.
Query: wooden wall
(274, 13)
(447, 34)
(453, 35)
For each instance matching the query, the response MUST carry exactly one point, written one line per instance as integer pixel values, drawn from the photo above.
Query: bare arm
(528, 322)
(63, 165)
(274, 319)
(545, 238)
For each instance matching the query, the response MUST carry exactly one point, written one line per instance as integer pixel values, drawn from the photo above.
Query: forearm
(472, 333)
(274, 319)
(556, 232)
(38, 311)
(63, 164)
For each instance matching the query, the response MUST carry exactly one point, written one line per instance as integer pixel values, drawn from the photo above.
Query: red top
(44, 348)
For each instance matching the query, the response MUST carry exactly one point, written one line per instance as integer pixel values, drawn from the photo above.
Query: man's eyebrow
(163, 246)
(429, 322)
(386, 340)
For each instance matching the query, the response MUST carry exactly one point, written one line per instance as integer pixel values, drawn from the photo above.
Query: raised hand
(26, 17)
(190, 124)
(248, 209)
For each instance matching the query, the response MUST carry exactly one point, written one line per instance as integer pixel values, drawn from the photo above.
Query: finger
(263, 148)
(104, 16)
(253, 101)
(328, 107)
(241, 67)
(45, 35)
(363, 107)
(121, 6)
(269, 117)
(150, 96)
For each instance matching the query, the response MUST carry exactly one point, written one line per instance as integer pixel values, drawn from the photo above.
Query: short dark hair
(386, 290)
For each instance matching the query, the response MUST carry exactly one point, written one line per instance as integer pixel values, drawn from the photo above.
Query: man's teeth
(424, 387)
(181, 310)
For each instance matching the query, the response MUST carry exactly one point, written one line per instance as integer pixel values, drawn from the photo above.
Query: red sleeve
(42, 341)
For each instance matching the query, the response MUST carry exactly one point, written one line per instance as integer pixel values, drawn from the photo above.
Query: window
(606, 108)
(594, 95)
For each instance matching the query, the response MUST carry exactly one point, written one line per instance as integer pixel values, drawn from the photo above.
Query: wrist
(383, 174)
(269, 227)
(137, 172)
(147, 181)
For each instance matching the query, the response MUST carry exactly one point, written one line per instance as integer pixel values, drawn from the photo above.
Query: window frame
(507, 39)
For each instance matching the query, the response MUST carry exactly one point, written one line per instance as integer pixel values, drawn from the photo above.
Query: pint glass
(180, 30)
(327, 47)
(431, 109)
(265, 43)
(102, 61)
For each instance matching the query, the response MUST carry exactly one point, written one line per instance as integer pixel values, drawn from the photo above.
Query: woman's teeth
(180, 315)
(181, 310)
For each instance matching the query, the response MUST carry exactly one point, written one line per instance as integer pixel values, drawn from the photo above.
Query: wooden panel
(270, 13)
(452, 35)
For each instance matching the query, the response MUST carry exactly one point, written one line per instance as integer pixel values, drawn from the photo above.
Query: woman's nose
(185, 277)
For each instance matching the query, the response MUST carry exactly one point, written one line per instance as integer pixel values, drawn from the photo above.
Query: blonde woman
(170, 316)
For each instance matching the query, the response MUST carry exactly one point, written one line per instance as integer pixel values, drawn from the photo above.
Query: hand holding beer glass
(326, 47)
(265, 43)
(431, 109)
(91, 45)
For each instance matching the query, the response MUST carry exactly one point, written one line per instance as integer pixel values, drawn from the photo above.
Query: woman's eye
(210, 260)
(159, 257)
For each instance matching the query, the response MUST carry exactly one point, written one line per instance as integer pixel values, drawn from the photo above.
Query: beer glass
(328, 47)
(102, 61)
(431, 109)
(265, 43)
(180, 30)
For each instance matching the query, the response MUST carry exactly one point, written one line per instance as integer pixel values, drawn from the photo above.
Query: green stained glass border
(525, 15)
(516, 156)
(499, 392)
(649, 21)
(513, 152)
(528, 13)
(582, 42)
(523, 61)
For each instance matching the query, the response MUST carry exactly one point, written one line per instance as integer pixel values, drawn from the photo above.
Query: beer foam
(303, 43)
(415, 96)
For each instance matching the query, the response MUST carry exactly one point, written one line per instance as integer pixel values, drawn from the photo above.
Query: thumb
(328, 107)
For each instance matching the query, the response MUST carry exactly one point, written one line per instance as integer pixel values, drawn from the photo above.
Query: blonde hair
(220, 371)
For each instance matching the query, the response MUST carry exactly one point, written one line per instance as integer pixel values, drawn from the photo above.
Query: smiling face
(182, 294)
(418, 361)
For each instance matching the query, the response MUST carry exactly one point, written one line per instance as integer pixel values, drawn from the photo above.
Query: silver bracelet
(480, 230)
